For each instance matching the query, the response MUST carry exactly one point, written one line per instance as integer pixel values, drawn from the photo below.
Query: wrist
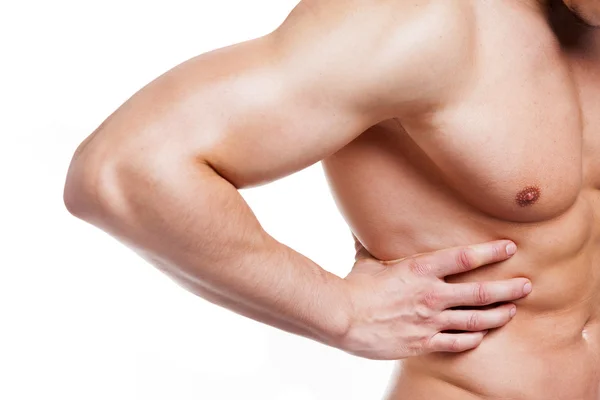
(336, 311)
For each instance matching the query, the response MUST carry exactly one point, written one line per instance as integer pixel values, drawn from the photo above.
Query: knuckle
(433, 342)
(435, 323)
(431, 299)
(473, 322)
(464, 259)
(415, 344)
(419, 268)
(423, 313)
(443, 321)
(405, 351)
(455, 344)
(480, 294)
(427, 344)
(497, 253)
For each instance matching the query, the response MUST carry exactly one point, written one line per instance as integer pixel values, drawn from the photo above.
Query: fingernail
(527, 288)
(511, 249)
(513, 311)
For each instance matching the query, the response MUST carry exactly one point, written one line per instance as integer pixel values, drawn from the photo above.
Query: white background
(81, 316)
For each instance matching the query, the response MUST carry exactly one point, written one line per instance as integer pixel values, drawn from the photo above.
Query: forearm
(195, 226)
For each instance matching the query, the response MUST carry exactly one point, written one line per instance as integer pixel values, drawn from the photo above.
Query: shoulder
(402, 52)
(434, 45)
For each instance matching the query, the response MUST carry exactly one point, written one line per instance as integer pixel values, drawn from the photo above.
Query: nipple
(528, 196)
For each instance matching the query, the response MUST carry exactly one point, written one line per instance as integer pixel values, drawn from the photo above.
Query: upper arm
(262, 109)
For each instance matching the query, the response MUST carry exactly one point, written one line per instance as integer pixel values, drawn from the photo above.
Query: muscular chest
(520, 143)
(514, 154)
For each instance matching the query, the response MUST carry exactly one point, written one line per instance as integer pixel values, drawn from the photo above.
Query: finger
(455, 342)
(476, 320)
(461, 259)
(484, 293)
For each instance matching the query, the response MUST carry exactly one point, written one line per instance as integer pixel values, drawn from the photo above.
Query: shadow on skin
(567, 26)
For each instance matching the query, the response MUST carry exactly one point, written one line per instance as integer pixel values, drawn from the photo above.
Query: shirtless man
(441, 124)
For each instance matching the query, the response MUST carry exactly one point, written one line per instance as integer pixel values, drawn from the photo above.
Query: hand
(402, 308)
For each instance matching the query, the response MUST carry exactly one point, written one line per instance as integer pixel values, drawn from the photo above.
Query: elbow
(108, 180)
(86, 181)
(80, 192)
(77, 194)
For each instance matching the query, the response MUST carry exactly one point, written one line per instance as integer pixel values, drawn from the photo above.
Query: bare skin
(441, 123)
(586, 10)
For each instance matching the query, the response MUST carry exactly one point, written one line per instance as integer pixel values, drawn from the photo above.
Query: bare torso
(516, 157)
(496, 137)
